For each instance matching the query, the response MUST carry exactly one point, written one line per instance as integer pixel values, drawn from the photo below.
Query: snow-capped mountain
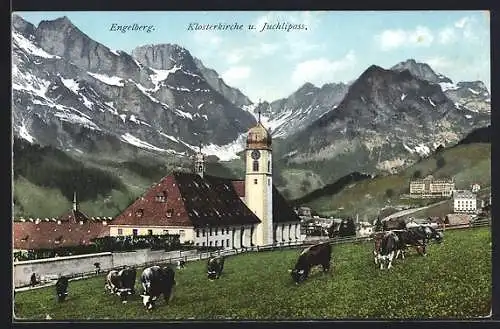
(74, 93)
(473, 95)
(289, 115)
(387, 120)
(77, 95)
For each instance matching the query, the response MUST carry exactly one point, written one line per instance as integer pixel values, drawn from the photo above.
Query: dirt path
(411, 211)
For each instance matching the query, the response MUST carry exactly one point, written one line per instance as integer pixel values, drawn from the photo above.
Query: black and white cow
(156, 281)
(121, 283)
(390, 246)
(424, 234)
(215, 265)
(62, 288)
(319, 254)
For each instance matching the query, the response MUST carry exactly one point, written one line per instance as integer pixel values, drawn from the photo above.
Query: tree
(347, 228)
(440, 162)
(417, 174)
(389, 193)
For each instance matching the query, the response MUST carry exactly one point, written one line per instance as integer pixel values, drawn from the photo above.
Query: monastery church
(214, 211)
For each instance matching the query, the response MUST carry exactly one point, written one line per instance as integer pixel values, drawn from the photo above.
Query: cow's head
(148, 301)
(123, 293)
(298, 275)
(212, 274)
(438, 236)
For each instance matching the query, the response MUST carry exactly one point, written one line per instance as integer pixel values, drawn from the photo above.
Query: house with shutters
(214, 211)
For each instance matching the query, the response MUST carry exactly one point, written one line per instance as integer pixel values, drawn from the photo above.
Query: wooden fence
(270, 247)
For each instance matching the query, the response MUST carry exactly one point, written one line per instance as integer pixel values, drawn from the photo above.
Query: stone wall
(51, 268)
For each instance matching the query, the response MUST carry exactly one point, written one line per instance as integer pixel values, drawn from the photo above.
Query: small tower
(199, 162)
(75, 202)
(259, 182)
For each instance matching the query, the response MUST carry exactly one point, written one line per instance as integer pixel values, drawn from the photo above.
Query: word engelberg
(133, 27)
(283, 26)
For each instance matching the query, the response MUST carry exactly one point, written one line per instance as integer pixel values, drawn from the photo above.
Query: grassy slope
(46, 179)
(453, 281)
(467, 163)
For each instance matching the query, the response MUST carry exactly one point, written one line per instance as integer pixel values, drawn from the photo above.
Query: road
(411, 211)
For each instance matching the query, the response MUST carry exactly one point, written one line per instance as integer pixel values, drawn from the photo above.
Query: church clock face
(255, 154)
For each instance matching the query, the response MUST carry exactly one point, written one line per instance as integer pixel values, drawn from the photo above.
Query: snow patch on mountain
(71, 84)
(226, 152)
(112, 81)
(184, 114)
(161, 75)
(172, 138)
(30, 83)
(403, 96)
(409, 149)
(30, 47)
(423, 150)
(473, 91)
(23, 132)
(131, 139)
(448, 86)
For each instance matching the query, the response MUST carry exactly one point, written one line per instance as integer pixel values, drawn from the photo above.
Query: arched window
(200, 168)
(256, 166)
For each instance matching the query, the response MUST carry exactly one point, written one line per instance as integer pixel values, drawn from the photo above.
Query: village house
(429, 187)
(457, 219)
(475, 187)
(364, 229)
(464, 202)
(304, 212)
(69, 230)
(214, 211)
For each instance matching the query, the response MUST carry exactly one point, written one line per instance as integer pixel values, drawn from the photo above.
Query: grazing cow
(215, 265)
(155, 281)
(181, 264)
(121, 282)
(319, 254)
(424, 234)
(62, 288)
(390, 246)
(377, 239)
(33, 280)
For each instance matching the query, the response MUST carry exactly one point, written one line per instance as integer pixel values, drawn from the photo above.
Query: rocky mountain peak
(421, 70)
(22, 26)
(164, 56)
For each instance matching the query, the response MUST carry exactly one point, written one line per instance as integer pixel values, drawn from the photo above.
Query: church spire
(75, 202)
(258, 109)
(199, 162)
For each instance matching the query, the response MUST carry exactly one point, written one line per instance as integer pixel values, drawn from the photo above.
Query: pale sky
(336, 47)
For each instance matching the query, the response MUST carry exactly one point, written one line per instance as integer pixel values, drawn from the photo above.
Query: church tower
(259, 181)
(199, 162)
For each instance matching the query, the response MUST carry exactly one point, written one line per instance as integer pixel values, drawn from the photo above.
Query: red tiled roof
(191, 200)
(196, 201)
(50, 234)
(239, 187)
(154, 213)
